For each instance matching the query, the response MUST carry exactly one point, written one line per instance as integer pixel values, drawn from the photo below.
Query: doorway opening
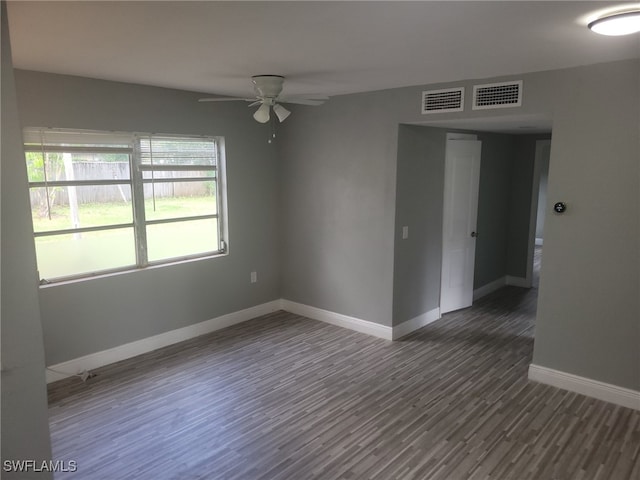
(510, 216)
(538, 211)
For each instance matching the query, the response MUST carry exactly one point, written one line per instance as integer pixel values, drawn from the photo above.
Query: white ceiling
(325, 48)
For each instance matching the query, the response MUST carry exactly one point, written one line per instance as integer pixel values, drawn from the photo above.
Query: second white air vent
(497, 95)
(440, 101)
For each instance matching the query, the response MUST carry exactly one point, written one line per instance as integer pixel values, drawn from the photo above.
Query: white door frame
(533, 215)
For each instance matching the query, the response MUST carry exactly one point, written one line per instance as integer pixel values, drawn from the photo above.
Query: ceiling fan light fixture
(262, 113)
(281, 112)
(616, 24)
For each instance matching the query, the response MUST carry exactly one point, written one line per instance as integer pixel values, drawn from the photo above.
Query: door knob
(474, 234)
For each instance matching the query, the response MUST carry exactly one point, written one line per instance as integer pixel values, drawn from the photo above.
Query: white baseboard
(489, 288)
(415, 323)
(499, 283)
(539, 241)
(518, 282)
(585, 386)
(128, 350)
(352, 323)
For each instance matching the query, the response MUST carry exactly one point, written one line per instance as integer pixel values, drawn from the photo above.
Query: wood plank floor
(284, 397)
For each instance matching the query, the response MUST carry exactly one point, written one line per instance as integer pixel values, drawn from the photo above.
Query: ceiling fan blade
(303, 100)
(257, 102)
(300, 101)
(226, 99)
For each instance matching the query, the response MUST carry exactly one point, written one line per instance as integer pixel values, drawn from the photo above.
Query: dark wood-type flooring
(284, 397)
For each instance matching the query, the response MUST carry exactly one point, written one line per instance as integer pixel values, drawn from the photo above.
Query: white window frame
(136, 183)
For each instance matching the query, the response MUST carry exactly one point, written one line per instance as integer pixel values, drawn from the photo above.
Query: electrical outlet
(405, 233)
(254, 277)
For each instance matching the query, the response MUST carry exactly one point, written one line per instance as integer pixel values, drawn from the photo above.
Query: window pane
(159, 150)
(36, 164)
(180, 239)
(179, 199)
(80, 253)
(77, 166)
(83, 206)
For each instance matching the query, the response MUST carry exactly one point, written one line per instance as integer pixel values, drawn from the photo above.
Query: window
(103, 201)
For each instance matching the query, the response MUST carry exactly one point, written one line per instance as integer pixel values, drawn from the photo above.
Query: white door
(461, 181)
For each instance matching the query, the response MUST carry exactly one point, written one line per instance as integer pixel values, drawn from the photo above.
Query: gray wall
(85, 317)
(588, 314)
(339, 196)
(338, 206)
(419, 204)
(25, 421)
(494, 203)
(338, 199)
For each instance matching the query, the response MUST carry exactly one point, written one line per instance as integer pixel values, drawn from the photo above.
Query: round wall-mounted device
(560, 207)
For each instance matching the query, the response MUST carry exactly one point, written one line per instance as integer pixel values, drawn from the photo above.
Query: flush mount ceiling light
(615, 24)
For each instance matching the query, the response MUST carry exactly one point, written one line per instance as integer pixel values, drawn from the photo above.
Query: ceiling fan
(267, 94)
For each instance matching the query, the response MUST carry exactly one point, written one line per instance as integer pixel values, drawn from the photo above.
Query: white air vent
(497, 95)
(440, 101)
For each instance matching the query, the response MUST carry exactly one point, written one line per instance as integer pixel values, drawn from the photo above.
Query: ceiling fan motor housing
(268, 86)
